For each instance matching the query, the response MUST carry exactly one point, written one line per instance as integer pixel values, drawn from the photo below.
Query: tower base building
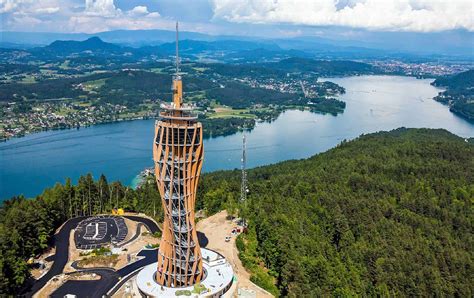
(216, 281)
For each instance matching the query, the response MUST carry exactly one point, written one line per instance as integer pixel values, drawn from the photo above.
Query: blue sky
(272, 18)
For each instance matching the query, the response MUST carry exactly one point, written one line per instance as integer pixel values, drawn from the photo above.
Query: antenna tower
(177, 50)
(243, 188)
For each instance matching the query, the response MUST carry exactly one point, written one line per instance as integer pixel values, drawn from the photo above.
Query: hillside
(459, 94)
(461, 80)
(387, 214)
(93, 45)
(323, 67)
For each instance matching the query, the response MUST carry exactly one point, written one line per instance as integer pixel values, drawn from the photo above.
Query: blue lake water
(122, 150)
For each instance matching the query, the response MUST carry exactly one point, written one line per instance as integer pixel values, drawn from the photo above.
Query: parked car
(227, 238)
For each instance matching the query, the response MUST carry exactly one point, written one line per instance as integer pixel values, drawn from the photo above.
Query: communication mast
(243, 187)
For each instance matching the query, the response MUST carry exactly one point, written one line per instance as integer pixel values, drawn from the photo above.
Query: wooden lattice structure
(178, 154)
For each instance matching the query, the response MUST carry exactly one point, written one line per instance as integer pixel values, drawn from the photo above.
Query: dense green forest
(387, 214)
(108, 87)
(141, 85)
(459, 93)
(240, 96)
(27, 225)
(323, 67)
(291, 65)
(225, 126)
(327, 105)
(57, 88)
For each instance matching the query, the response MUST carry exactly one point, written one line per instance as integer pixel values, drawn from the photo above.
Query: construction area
(217, 228)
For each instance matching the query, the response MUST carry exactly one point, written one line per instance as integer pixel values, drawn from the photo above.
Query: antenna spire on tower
(177, 50)
(177, 83)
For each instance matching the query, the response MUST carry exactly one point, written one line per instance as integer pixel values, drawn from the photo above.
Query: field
(93, 85)
(226, 112)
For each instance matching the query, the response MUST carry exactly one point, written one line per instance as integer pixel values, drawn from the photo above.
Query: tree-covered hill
(461, 80)
(68, 47)
(459, 93)
(296, 64)
(323, 67)
(109, 87)
(388, 214)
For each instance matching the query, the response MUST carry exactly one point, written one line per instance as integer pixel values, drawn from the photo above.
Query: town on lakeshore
(52, 87)
(252, 149)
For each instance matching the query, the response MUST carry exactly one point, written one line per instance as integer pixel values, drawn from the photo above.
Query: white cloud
(103, 8)
(76, 16)
(404, 15)
(11, 5)
(103, 15)
(47, 10)
(27, 20)
(139, 10)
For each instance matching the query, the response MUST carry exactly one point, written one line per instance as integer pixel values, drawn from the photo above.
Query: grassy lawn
(99, 261)
(46, 71)
(197, 95)
(93, 85)
(29, 80)
(157, 70)
(148, 106)
(83, 103)
(226, 112)
(63, 111)
(64, 65)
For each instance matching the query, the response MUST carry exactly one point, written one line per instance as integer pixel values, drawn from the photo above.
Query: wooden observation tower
(178, 154)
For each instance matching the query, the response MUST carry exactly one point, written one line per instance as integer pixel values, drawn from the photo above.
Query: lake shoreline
(122, 150)
(322, 79)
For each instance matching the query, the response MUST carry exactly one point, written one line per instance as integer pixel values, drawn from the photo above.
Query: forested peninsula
(387, 214)
(459, 93)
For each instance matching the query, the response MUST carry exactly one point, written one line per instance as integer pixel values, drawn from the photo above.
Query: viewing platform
(172, 112)
(217, 280)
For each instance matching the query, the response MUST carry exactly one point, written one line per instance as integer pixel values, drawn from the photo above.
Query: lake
(122, 150)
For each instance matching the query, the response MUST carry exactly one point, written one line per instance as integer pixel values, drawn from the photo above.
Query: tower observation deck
(178, 154)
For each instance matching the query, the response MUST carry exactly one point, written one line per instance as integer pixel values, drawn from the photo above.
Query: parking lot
(97, 231)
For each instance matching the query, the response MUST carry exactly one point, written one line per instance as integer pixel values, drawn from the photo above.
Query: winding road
(109, 277)
(61, 242)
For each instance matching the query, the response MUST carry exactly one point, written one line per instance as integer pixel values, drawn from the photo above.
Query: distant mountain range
(225, 49)
(93, 45)
(364, 43)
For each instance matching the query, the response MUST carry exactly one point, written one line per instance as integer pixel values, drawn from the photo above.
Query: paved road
(61, 241)
(134, 237)
(151, 256)
(109, 278)
(152, 226)
(89, 288)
